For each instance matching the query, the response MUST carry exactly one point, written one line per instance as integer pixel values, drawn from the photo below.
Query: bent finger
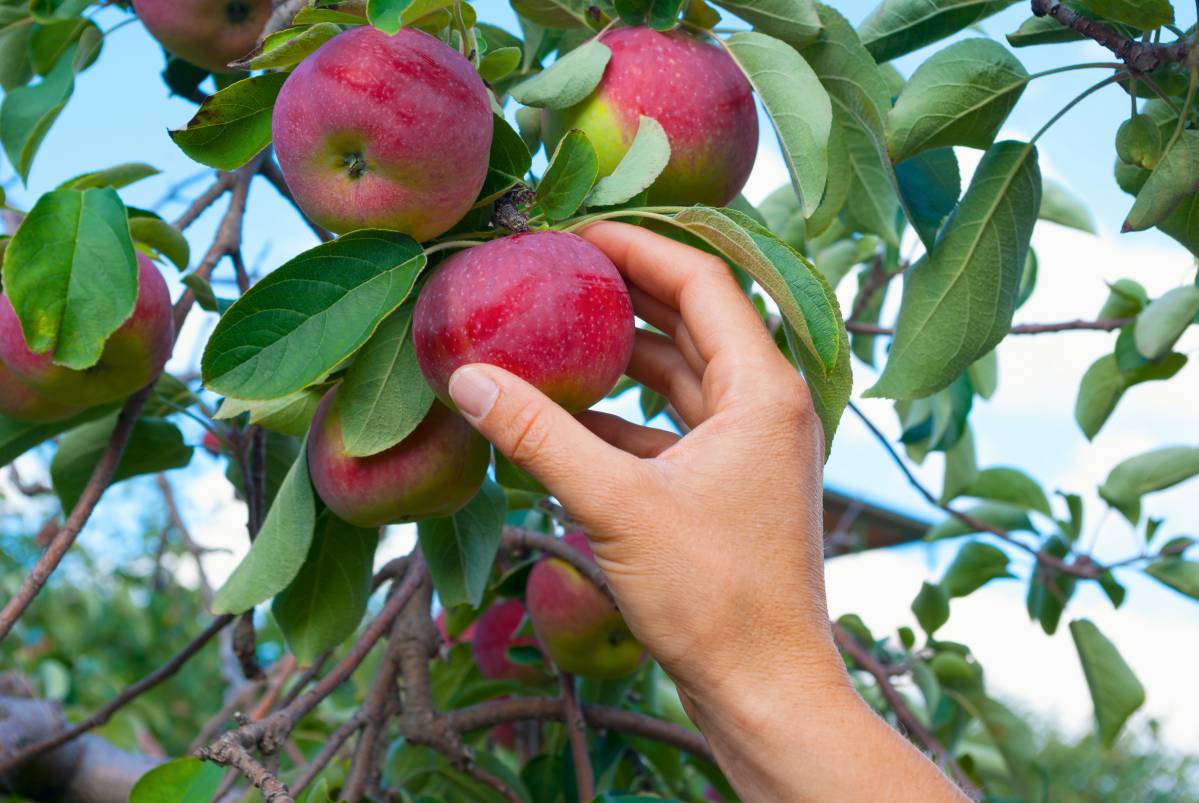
(645, 442)
(660, 366)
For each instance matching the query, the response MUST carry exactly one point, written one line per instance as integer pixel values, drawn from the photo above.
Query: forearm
(807, 735)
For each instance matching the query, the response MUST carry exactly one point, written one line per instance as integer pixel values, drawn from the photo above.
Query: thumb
(539, 436)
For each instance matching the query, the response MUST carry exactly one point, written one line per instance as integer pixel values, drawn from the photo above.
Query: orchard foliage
(876, 194)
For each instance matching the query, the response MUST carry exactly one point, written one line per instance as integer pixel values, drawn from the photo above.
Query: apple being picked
(133, 355)
(548, 306)
(578, 627)
(432, 472)
(495, 633)
(696, 92)
(389, 132)
(208, 33)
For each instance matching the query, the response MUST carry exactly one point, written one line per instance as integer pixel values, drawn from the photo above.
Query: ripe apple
(133, 355)
(208, 33)
(547, 306)
(580, 630)
(390, 132)
(432, 472)
(22, 403)
(698, 94)
(495, 634)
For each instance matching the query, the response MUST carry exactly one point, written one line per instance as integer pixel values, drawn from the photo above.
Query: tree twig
(1139, 56)
(576, 733)
(522, 540)
(328, 750)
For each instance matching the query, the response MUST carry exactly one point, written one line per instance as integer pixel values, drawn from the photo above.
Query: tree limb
(577, 735)
(1139, 56)
(519, 539)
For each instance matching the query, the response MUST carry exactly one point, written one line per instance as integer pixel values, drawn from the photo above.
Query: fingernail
(473, 391)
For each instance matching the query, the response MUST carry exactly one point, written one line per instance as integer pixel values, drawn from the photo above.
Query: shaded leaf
(931, 607)
(1145, 473)
(568, 80)
(1165, 319)
(1011, 485)
(570, 176)
(184, 780)
(233, 125)
(974, 566)
(1179, 574)
(930, 184)
(1006, 517)
(1115, 690)
(1175, 177)
(1059, 206)
(897, 27)
(794, 21)
(644, 161)
(461, 548)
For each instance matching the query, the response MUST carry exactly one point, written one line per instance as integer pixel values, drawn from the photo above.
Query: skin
(547, 306)
(208, 33)
(579, 628)
(495, 633)
(694, 90)
(21, 403)
(133, 355)
(712, 542)
(377, 131)
(433, 472)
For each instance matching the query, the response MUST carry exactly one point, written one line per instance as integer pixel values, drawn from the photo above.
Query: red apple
(208, 33)
(390, 132)
(212, 444)
(465, 637)
(698, 94)
(21, 403)
(495, 634)
(133, 355)
(432, 472)
(580, 630)
(547, 306)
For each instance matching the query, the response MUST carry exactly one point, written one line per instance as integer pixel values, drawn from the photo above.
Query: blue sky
(121, 112)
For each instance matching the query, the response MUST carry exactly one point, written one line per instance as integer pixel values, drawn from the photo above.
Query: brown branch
(1139, 56)
(903, 712)
(500, 712)
(382, 702)
(204, 200)
(101, 476)
(272, 173)
(519, 539)
(232, 754)
(1084, 567)
(328, 751)
(863, 328)
(576, 733)
(175, 520)
(132, 692)
(238, 700)
(281, 17)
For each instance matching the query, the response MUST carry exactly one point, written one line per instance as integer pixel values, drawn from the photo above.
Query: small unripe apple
(548, 306)
(132, 357)
(696, 92)
(433, 472)
(208, 33)
(389, 132)
(578, 627)
(20, 402)
(496, 633)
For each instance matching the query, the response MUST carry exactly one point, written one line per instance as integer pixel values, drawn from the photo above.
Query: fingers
(665, 319)
(645, 442)
(661, 367)
(542, 438)
(717, 313)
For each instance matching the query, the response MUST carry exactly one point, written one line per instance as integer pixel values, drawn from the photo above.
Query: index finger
(718, 315)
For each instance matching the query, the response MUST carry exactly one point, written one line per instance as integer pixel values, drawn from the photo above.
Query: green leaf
(570, 176)
(644, 161)
(960, 96)
(1115, 690)
(289, 415)
(1010, 485)
(897, 27)
(16, 69)
(975, 565)
(71, 274)
(961, 467)
(384, 395)
(798, 106)
(983, 373)
(387, 15)
(161, 239)
(553, 13)
(781, 212)
(184, 780)
(509, 161)
(232, 126)
(18, 437)
(1143, 14)
(1059, 206)
(958, 301)
(1175, 178)
(155, 445)
(323, 605)
(289, 47)
(794, 21)
(461, 548)
(1145, 473)
(1162, 322)
(279, 551)
(1179, 574)
(931, 607)
(929, 184)
(119, 176)
(1011, 735)
(28, 111)
(1048, 589)
(1043, 31)
(304, 318)
(1004, 516)
(499, 63)
(568, 80)
(1125, 299)
(51, 40)
(782, 272)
